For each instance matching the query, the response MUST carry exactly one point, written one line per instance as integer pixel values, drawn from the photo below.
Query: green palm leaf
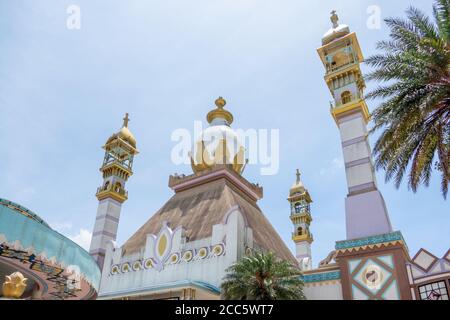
(414, 117)
(262, 277)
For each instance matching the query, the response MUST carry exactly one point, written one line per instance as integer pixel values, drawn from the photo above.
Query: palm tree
(262, 277)
(415, 117)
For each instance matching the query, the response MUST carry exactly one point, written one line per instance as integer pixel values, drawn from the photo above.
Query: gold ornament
(14, 285)
(124, 135)
(220, 112)
(229, 153)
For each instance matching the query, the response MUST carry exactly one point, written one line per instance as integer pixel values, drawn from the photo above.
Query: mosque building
(213, 220)
(210, 222)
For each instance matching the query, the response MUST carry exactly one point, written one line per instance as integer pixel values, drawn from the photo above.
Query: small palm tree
(262, 277)
(416, 113)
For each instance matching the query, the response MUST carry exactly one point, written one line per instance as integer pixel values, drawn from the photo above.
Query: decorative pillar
(300, 200)
(120, 150)
(372, 260)
(365, 210)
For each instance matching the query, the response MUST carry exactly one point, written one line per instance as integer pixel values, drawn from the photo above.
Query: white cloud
(83, 238)
(336, 164)
(61, 226)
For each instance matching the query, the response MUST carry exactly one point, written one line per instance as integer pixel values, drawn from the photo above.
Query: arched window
(346, 97)
(299, 231)
(117, 187)
(106, 186)
(297, 207)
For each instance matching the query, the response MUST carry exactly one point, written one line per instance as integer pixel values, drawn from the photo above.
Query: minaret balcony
(116, 168)
(302, 237)
(116, 193)
(339, 67)
(343, 106)
(335, 70)
(298, 218)
(345, 101)
(302, 209)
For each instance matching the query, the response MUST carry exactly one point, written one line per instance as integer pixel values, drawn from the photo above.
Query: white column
(105, 228)
(366, 212)
(303, 255)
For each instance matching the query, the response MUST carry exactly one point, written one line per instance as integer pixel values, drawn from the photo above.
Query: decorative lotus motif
(14, 285)
(163, 246)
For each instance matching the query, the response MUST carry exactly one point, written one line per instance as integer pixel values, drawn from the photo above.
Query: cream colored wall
(356, 151)
(324, 291)
(359, 174)
(352, 129)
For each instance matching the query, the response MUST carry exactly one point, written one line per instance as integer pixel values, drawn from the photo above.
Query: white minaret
(300, 200)
(366, 213)
(120, 150)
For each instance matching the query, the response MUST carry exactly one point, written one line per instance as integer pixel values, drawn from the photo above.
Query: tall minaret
(341, 55)
(120, 150)
(300, 200)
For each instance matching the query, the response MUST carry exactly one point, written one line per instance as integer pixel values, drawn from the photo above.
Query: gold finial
(126, 120)
(298, 175)
(14, 285)
(220, 102)
(220, 112)
(334, 19)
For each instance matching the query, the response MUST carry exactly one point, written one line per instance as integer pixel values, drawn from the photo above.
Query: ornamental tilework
(372, 240)
(373, 278)
(324, 276)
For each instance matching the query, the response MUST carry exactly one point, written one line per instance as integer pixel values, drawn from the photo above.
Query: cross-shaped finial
(126, 120)
(334, 19)
(298, 175)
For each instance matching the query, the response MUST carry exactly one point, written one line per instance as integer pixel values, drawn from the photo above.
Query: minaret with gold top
(366, 213)
(117, 166)
(300, 201)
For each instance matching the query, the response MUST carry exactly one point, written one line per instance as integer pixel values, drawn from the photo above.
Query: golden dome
(219, 112)
(298, 186)
(337, 31)
(124, 134)
(219, 144)
(298, 190)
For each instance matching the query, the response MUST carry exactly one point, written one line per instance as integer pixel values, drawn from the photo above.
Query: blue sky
(64, 92)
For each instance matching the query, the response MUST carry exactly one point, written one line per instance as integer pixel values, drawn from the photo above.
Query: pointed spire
(298, 187)
(334, 19)
(126, 120)
(124, 134)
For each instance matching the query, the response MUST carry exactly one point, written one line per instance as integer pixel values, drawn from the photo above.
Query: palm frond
(414, 116)
(262, 277)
